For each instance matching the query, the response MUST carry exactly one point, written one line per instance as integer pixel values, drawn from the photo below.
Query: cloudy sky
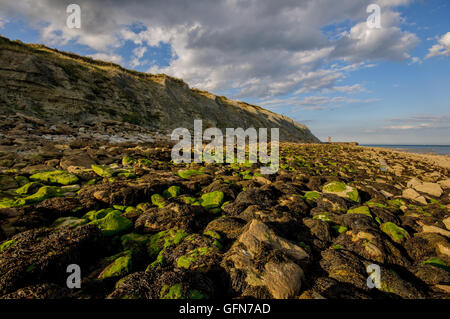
(316, 61)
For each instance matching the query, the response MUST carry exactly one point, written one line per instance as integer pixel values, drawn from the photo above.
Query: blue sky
(317, 62)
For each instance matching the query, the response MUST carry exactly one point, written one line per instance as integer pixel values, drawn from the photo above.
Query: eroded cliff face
(65, 88)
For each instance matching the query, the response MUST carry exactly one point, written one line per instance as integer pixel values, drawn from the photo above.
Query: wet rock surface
(140, 226)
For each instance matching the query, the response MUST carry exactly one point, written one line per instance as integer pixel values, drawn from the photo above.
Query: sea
(421, 149)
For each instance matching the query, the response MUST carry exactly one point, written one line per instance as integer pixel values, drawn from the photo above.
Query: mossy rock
(69, 221)
(395, 232)
(71, 188)
(339, 228)
(43, 193)
(7, 203)
(176, 292)
(171, 292)
(98, 214)
(396, 203)
(436, 262)
(172, 191)
(375, 204)
(158, 200)
(113, 223)
(216, 237)
(7, 244)
(120, 267)
(160, 241)
(312, 196)
(119, 207)
(103, 170)
(55, 177)
(127, 174)
(189, 200)
(212, 200)
(187, 260)
(143, 162)
(323, 217)
(128, 161)
(342, 190)
(188, 173)
(363, 210)
(143, 206)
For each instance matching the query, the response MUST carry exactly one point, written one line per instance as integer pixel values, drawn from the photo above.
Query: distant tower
(329, 139)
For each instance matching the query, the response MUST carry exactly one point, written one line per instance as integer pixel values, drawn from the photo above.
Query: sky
(320, 62)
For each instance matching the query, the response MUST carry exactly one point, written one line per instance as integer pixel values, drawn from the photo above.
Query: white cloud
(138, 53)
(441, 48)
(315, 102)
(258, 49)
(415, 60)
(108, 57)
(416, 122)
(389, 42)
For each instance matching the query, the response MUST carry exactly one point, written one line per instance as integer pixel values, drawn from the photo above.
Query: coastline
(417, 149)
(439, 160)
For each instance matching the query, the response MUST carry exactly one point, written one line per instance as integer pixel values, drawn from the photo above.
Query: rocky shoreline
(140, 226)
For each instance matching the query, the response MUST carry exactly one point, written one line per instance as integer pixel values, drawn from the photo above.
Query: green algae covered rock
(436, 262)
(160, 241)
(121, 266)
(212, 200)
(55, 177)
(364, 210)
(396, 233)
(43, 193)
(98, 214)
(325, 217)
(176, 292)
(187, 260)
(188, 173)
(396, 203)
(144, 162)
(128, 161)
(127, 174)
(312, 196)
(342, 190)
(7, 202)
(339, 228)
(172, 191)
(113, 223)
(189, 200)
(158, 200)
(103, 170)
(375, 204)
(216, 237)
(7, 244)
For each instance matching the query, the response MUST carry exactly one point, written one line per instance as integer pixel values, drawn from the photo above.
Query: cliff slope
(61, 87)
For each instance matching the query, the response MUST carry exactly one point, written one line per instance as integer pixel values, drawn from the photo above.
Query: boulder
(411, 194)
(263, 264)
(432, 189)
